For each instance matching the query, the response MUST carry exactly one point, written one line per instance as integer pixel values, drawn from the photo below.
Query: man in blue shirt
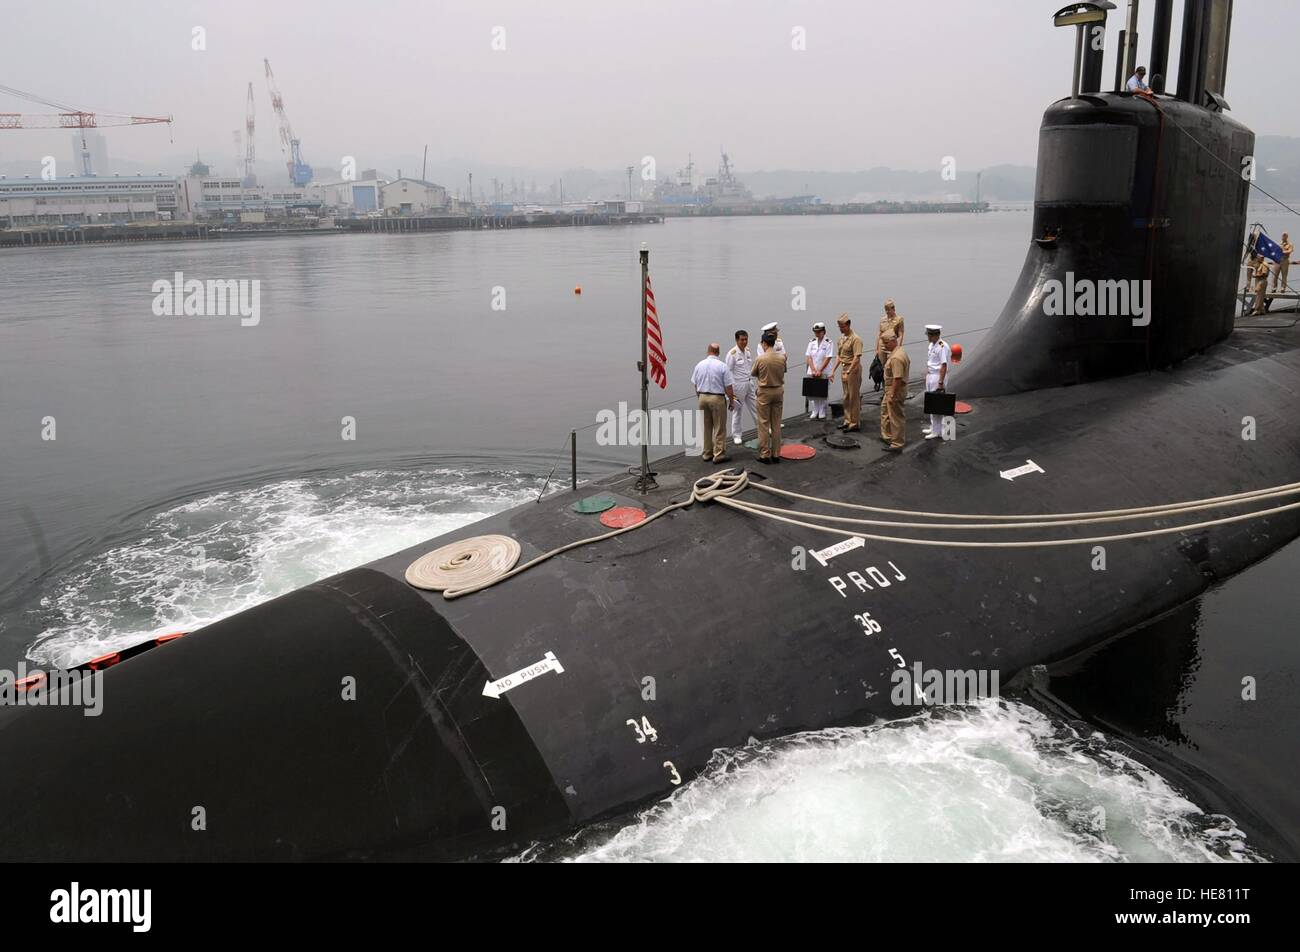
(714, 387)
(1137, 83)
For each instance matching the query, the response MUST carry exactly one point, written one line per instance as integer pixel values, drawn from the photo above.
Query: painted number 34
(644, 730)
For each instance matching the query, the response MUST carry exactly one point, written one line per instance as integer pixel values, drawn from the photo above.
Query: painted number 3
(643, 730)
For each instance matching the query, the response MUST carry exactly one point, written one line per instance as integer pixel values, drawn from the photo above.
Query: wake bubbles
(997, 782)
(199, 562)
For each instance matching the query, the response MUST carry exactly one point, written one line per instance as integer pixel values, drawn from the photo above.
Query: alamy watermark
(1088, 298)
(681, 426)
(38, 688)
(211, 298)
(941, 686)
(80, 904)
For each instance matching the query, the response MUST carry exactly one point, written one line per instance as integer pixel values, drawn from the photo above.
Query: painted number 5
(893, 653)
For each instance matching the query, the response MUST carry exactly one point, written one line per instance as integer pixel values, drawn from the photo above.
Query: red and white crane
(300, 173)
(69, 117)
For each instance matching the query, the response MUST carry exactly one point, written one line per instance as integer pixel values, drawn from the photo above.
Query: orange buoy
(578, 289)
(956, 353)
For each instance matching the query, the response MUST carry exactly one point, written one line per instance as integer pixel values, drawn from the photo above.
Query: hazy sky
(594, 84)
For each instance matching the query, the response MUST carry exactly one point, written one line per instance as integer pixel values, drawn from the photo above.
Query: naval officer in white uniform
(819, 357)
(775, 331)
(937, 357)
(740, 362)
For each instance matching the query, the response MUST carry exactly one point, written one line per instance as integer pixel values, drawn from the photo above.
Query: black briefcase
(940, 403)
(816, 388)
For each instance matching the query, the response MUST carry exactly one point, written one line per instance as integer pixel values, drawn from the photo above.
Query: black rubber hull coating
(247, 719)
(707, 627)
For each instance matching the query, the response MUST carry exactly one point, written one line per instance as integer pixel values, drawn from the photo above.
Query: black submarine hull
(362, 718)
(247, 719)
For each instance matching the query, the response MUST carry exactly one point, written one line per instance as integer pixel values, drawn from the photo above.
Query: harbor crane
(70, 117)
(300, 173)
(250, 153)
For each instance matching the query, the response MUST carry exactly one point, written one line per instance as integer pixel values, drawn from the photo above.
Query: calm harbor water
(200, 467)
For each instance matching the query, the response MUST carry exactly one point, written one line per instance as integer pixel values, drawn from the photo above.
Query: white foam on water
(996, 782)
(212, 557)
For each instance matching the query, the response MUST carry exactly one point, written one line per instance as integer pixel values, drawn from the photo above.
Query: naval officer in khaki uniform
(849, 366)
(769, 374)
(1259, 271)
(893, 426)
(891, 325)
(1284, 266)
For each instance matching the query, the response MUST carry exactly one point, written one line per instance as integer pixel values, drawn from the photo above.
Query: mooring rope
(1153, 510)
(1029, 544)
(462, 566)
(471, 565)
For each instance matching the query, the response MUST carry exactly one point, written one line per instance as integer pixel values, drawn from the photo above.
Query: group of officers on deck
(727, 385)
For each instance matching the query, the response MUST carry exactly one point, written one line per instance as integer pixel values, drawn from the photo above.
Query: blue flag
(1266, 246)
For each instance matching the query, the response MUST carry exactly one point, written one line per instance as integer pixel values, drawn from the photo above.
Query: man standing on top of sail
(1137, 83)
(937, 357)
(741, 364)
(819, 357)
(849, 357)
(891, 325)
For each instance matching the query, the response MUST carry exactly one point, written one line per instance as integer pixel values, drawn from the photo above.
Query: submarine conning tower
(1139, 214)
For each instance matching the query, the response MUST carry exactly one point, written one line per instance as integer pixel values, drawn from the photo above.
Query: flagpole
(643, 483)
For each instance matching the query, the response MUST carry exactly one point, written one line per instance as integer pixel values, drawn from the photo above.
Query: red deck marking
(963, 407)
(622, 517)
(797, 451)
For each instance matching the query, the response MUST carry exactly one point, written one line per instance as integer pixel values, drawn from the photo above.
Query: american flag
(654, 339)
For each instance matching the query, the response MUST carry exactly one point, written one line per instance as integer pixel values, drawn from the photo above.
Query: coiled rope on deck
(471, 565)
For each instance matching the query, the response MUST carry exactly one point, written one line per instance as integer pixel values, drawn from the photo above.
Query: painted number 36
(869, 624)
(643, 730)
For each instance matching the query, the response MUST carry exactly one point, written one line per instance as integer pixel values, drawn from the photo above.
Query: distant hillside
(1002, 183)
(1278, 171)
